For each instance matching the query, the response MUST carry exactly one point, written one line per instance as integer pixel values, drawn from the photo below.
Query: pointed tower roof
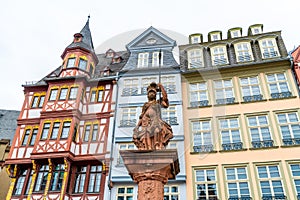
(82, 39)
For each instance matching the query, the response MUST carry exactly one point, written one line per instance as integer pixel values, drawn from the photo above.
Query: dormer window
(71, 62)
(255, 29)
(195, 39)
(195, 58)
(219, 55)
(155, 59)
(82, 64)
(215, 37)
(235, 34)
(269, 48)
(77, 37)
(243, 52)
(109, 53)
(143, 60)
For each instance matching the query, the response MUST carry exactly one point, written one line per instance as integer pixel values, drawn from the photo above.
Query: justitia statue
(151, 132)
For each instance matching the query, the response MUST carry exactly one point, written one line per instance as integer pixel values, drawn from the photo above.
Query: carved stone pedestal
(151, 170)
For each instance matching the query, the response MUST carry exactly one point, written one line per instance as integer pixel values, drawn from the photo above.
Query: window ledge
(290, 146)
(233, 150)
(196, 153)
(262, 148)
(275, 99)
(195, 107)
(245, 102)
(226, 104)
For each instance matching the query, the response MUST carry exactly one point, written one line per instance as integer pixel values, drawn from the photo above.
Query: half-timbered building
(60, 147)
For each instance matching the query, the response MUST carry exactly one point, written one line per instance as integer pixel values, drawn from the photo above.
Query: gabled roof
(158, 40)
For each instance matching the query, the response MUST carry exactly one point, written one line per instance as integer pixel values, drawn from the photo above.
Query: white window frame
(296, 177)
(224, 90)
(219, 55)
(146, 82)
(208, 180)
(215, 36)
(143, 60)
(238, 179)
(230, 126)
(279, 82)
(270, 178)
(128, 117)
(256, 30)
(243, 52)
(235, 33)
(124, 146)
(169, 83)
(170, 114)
(155, 59)
(126, 195)
(195, 58)
(260, 131)
(168, 192)
(198, 93)
(195, 39)
(268, 48)
(200, 129)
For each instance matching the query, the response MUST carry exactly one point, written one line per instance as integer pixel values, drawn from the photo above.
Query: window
(206, 184)
(230, 133)
(57, 177)
(295, 168)
(195, 58)
(29, 182)
(195, 39)
(169, 115)
(82, 64)
(53, 94)
(63, 94)
(235, 33)
(270, 182)
(128, 117)
(33, 137)
(146, 82)
(91, 132)
(269, 48)
(45, 131)
(65, 130)
(125, 193)
(143, 60)
(95, 179)
(97, 94)
(198, 94)
(155, 59)
(130, 87)
(20, 182)
(219, 55)
(55, 130)
(73, 93)
(215, 36)
(243, 52)
(87, 131)
(224, 91)
(171, 192)
(256, 30)
(38, 100)
(278, 86)
(26, 137)
(29, 137)
(41, 179)
(124, 146)
(80, 177)
(169, 83)
(289, 127)
(91, 70)
(202, 136)
(260, 132)
(71, 62)
(250, 89)
(237, 182)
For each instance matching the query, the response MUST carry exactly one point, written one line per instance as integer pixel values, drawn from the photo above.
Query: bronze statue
(151, 132)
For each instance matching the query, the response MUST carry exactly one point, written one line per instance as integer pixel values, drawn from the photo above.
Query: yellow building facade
(241, 117)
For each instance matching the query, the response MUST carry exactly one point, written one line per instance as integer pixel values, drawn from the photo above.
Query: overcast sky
(34, 33)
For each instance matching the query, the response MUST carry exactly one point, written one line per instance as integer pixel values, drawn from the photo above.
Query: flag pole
(159, 78)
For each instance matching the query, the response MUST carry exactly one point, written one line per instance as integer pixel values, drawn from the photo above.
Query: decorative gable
(151, 38)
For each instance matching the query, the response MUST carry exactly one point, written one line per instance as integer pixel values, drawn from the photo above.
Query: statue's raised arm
(151, 132)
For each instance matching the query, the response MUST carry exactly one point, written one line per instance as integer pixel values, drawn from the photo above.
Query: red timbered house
(60, 149)
(296, 61)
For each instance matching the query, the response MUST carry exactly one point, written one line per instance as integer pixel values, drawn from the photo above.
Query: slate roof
(8, 124)
(87, 42)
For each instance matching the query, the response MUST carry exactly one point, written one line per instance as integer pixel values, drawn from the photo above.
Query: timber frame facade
(60, 147)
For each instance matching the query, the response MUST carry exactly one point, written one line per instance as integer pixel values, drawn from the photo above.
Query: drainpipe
(109, 183)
